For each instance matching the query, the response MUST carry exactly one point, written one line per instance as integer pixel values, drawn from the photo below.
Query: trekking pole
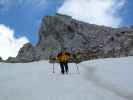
(53, 68)
(77, 68)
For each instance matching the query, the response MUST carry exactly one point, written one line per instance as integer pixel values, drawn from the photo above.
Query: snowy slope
(104, 79)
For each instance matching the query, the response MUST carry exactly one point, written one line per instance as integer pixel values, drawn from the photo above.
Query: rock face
(1, 59)
(62, 31)
(26, 54)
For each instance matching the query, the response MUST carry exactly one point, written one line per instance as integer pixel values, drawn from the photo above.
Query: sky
(20, 19)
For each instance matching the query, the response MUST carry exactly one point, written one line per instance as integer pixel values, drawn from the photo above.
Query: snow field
(103, 79)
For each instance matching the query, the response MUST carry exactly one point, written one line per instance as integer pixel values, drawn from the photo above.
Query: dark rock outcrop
(1, 60)
(62, 31)
(26, 54)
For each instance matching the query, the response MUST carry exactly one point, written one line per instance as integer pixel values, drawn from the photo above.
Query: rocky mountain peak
(61, 31)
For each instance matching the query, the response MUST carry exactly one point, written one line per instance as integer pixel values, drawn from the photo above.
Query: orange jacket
(63, 56)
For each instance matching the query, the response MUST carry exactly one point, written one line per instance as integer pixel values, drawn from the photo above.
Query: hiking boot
(66, 72)
(62, 73)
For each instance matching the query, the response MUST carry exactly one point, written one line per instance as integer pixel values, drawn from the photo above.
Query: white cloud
(9, 45)
(101, 12)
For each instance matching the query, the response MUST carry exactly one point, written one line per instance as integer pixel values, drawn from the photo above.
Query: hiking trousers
(64, 67)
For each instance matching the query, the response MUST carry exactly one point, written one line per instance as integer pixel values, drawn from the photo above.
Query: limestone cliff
(63, 31)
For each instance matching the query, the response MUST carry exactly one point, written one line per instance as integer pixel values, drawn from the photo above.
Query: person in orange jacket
(63, 58)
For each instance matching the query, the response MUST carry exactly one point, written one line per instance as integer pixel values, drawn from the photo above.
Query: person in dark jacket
(63, 58)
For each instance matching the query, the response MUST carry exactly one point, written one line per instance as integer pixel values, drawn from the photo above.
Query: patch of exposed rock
(26, 54)
(1, 60)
